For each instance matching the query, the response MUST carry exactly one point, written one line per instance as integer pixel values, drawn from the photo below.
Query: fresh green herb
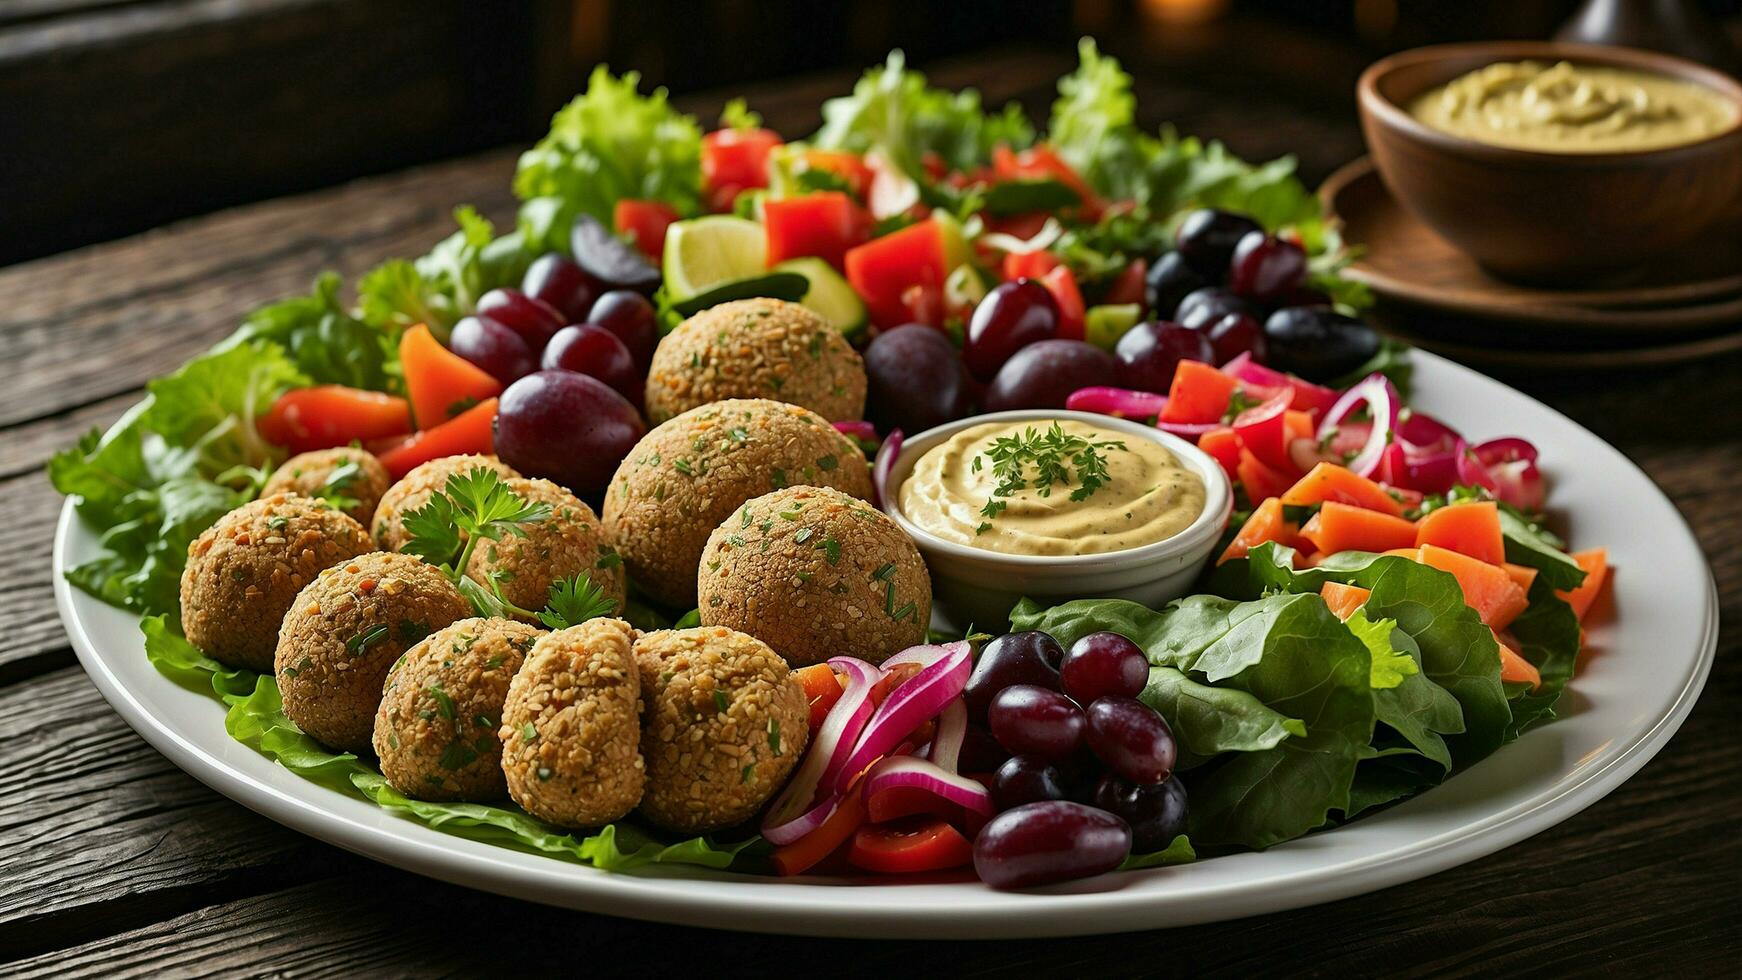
(1048, 453)
(774, 736)
(458, 755)
(722, 704)
(366, 639)
(803, 534)
(573, 601)
(444, 704)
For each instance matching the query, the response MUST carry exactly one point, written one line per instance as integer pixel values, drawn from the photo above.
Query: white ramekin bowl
(979, 587)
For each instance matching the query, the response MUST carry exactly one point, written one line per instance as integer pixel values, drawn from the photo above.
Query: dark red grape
(915, 379)
(607, 258)
(498, 350)
(566, 427)
(1170, 280)
(1043, 375)
(980, 753)
(532, 318)
(631, 317)
(1307, 296)
(1012, 316)
(1031, 720)
(1266, 268)
(557, 280)
(1237, 334)
(1149, 352)
(1027, 657)
(596, 353)
(1026, 779)
(1130, 737)
(1317, 342)
(1205, 306)
(1040, 843)
(1103, 664)
(1206, 238)
(1156, 812)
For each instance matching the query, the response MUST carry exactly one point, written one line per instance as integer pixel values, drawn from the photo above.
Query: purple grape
(610, 260)
(596, 353)
(1236, 334)
(1026, 779)
(532, 318)
(1266, 268)
(1156, 812)
(1149, 353)
(1205, 306)
(632, 318)
(1318, 343)
(558, 281)
(1129, 737)
(1012, 316)
(1103, 664)
(1028, 657)
(1046, 372)
(1170, 280)
(566, 427)
(1040, 843)
(491, 346)
(1206, 238)
(915, 379)
(980, 753)
(1031, 720)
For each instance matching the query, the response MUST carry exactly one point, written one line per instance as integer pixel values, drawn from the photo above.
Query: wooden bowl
(1548, 217)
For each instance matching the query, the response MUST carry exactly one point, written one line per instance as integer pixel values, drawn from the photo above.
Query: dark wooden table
(112, 861)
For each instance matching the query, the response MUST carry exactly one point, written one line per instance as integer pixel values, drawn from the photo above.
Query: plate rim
(693, 897)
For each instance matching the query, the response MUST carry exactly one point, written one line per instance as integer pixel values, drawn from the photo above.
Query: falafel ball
(243, 573)
(815, 574)
(344, 632)
(436, 729)
(756, 348)
(724, 723)
(568, 542)
(689, 474)
(346, 473)
(571, 727)
(414, 490)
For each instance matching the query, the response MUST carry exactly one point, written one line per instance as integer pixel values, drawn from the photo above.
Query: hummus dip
(986, 487)
(1568, 108)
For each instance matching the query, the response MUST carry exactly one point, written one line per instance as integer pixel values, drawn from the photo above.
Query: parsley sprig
(1058, 458)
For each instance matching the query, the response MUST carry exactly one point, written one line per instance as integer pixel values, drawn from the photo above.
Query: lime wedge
(704, 252)
(828, 294)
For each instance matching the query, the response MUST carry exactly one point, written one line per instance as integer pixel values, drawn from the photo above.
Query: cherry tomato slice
(909, 845)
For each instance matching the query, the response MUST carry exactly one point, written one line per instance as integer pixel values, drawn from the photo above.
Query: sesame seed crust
(307, 474)
(571, 726)
(724, 724)
(568, 542)
(690, 473)
(436, 730)
(414, 490)
(756, 348)
(244, 572)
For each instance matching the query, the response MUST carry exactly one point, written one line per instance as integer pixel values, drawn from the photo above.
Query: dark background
(120, 115)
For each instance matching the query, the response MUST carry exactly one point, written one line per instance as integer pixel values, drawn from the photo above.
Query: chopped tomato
(924, 303)
(822, 688)
(1028, 265)
(644, 224)
(1340, 527)
(803, 854)
(824, 224)
(1260, 481)
(737, 158)
(1267, 523)
(472, 431)
(1342, 599)
(1063, 287)
(1328, 481)
(1469, 528)
(1263, 430)
(1199, 393)
(849, 166)
(325, 416)
(1020, 226)
(909, 845)
(1039, 162)
(441, 383)
(1224, 447)
(881, 269)
(1128, 286)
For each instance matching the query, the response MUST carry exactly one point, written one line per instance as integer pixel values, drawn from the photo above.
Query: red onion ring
(883, 465)
(913, 702)
(792, 816)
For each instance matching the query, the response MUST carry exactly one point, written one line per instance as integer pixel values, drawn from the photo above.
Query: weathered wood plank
(31, 639)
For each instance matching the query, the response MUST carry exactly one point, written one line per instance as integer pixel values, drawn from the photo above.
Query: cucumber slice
(703, 253)
(790, 286)
(829, 294)
(1104, 325)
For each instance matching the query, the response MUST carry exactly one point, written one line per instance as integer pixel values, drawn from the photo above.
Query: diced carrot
(803, 854)
(1297, 424)
(1199, 393)
(1340, 527)
(1470, 528)
(472, 431)
(1413, 554)
(325, 416)
(1328, 481)
(1224, 447)
(441, 383)
(1266, 524)
(1344, 599)
(1595, 562)
(822, 688)
(1487, 588)
(1514, 668)
(1261, 482)
(1524, 575)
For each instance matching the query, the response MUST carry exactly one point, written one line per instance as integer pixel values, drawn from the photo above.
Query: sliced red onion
(1424, 435)
(1383, 404)
(863, 431)
(1471, 472)
(1121, 403)
(926, 654)
(792, 815)
(1308, 397)
(1433, 473)
(908, 772)
(883, 465)
(1511, 463)
(1509, 449)
(1304, 454)
(1190, 430)
(913, 702)
(946, 743)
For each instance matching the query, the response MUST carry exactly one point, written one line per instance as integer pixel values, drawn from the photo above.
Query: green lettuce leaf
(439, 288)
(1549, 636)
(1179, 851)
(1529, 543)
(1390, 665)
(208, 408)
(1208, 721)
(325, 342)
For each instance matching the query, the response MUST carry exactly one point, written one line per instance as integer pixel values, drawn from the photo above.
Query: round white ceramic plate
(1639, 681)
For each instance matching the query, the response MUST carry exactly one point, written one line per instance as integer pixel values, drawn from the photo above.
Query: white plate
(1647, 668)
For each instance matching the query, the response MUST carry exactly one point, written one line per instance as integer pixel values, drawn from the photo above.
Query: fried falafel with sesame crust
(690, 473)
(346, 473)
(571, 726)
(756, 348)
(343, 633)
(815, 574)
(724, 723)
(414, 490)
(244, 572)
(569, 542)
(436, 729)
